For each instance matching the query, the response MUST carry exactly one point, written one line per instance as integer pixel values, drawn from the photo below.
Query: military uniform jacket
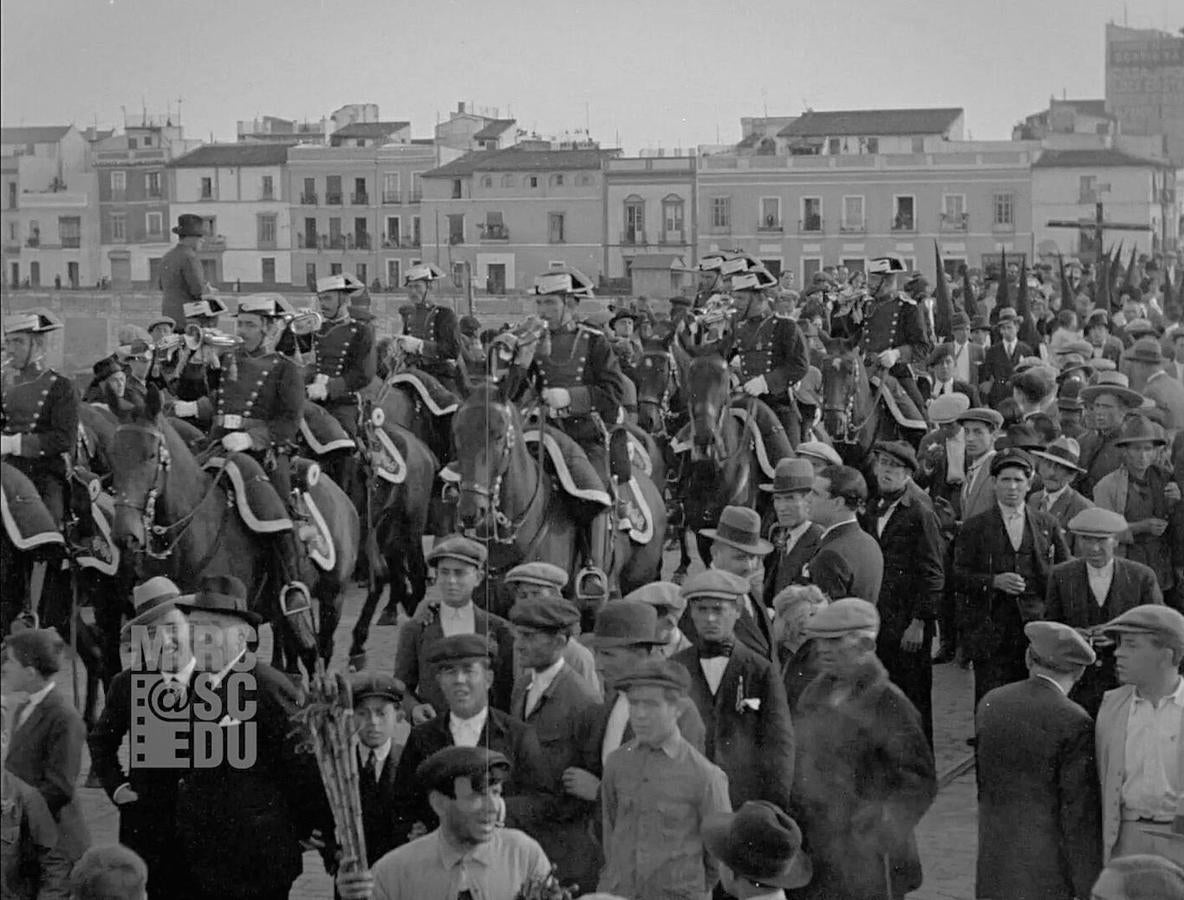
(773, 347)
(42, 407)
(345, 354)
(439, 330)
(267, 397)
(181, 281)
(894, 323)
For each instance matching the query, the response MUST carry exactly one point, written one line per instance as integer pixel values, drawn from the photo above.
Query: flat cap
(459, 547)
(656, 672)
(440, 770)
(843, 617)
(899, 452)
(665, 596)
(544, 574)
(372, 684)
(819, 450)
(715, 584)
(625, 623)
(948, 407)
(545, 614)
(461, 646)
(1098, 522)
(983, 414)
(1162, 621)
(1012, 457)
(1059, 645)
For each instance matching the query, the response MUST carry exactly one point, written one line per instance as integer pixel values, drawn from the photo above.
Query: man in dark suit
(552, 699)
(793, 536)
(942, 379)
(1001, 572)
(1039, 819)
(1057, 467)
(181, 278)
(848, 562)
(45, 751)
(1098, 586)
(147, 797)
(376, 710)
(914, 579)
(739, 695)
(1001, 358)
(464, 669)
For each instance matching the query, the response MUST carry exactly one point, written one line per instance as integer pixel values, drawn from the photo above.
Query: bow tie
(715, 649)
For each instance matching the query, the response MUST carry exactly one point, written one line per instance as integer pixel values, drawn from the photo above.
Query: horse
(509, 500)
(164, 496)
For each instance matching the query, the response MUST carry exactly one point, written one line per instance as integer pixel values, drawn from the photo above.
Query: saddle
(769, 440)
(322, 432)
(639, 455)
(387, 450)
(93, 537)
(898, 402)
(262, 510)
(27, 521)
(438, 400)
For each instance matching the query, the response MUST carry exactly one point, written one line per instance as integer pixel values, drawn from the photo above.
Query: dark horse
(163, 494)
(509, 500)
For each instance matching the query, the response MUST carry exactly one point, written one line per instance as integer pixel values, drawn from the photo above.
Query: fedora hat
(1139, 429)
(791, 475)
(222, 594)
(1006, 314)
(1145, 350)
(153, 599)
(189, 225)
(1114, 383)
(1064, 451)
(760, 843)
(625, 623)
(739, 527)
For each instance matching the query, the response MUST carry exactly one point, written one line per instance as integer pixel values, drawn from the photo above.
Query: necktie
(370, 770)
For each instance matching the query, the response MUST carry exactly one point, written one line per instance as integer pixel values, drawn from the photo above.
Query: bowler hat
(1098, 522)
(458, 547)
(899, 452)
(1138, 429)
(1012, 457)
(656, 672)
(1064, 451)
(461, 646)
(189, 225)
(791, 475)
(818, 450)
(625, 623)
(1161, 621)
(843, 616)
(715, 584)
(543, 574)
(739, 527)
(152, 599)
(664, 596)
(1145, 350)
(1114, 383)
(224, 595)
(1059, 645)
(760, 843)
(550, 614)
(948, 407)
(440, 770)
(372, 684)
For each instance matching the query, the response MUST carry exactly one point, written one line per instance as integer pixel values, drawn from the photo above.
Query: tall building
(240, 192)
(1145, 84)
(50, 219)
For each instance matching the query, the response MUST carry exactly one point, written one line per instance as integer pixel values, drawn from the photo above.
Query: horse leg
(417, 573)
(361, 632)
(329, 600)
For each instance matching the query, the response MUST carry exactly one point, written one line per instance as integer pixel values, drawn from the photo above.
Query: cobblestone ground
(947, 835)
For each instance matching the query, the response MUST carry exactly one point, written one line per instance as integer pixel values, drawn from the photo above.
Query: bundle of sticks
(327, 720)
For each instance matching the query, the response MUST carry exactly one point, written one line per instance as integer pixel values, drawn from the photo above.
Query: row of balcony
(637, 237)
(336, 198)
(66, 243)
(949, 223)
(348, 241)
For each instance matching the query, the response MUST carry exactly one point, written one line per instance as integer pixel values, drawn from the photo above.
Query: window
(267, 230)
(953, 212)
(209, 225)
(532, 181)
(507, 181)
(267, 264)
(118, 182)
(154, 224)
(309, 195)
(556, 232)
(207, 189)
(118, 227)
(362, 271)
(853, 213)
(918, 145)
(147, 140)
(810, 265)
(416, 187)
(70, 232)
(393, 228)
(854, 264)
(393, 273)
(456, 228)
(209, 271)
(833, 146)
(336, 241)
(634, 220)
(1004, 209)
(361, 195)
(360, 142)
(152, 184)
(586, 179)
(672, 218)
(721, 212)
(774, 266)
(310, 275)
(486, 181)
(267, 188)
(12, 236)
(333, 190)
(903, 212)
(873, 145)
(12, 195)
(154, 270)
(416, 235)
(811, 214)
(361, 234)
(391, 190)
(494, 227)
(334, 268)
(556, 181)
(1087, 188)
(310, 233)
(457, 185)
(770, 214)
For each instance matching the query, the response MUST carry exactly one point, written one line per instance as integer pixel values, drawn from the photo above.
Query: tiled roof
(369, 129)
(871, 122)
(1089, 159)
(233, 155)
(514, 160)
(33, 134)
(493, 129)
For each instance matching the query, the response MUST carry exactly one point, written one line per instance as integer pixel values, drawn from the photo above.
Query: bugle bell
(307, 321)
(211, 337)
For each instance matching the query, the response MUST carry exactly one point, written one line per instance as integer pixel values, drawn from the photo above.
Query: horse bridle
(663, 400)
(505, 529)
(848, 407)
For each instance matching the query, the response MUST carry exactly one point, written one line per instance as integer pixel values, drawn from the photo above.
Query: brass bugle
(212, 337)
(307, 321)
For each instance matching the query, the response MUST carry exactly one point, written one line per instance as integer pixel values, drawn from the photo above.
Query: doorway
(495, 279)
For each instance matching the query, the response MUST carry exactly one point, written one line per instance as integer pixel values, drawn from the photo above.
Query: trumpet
(196, 336)
(304, 322)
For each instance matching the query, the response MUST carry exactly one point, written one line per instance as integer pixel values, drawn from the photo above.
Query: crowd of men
(764, 729)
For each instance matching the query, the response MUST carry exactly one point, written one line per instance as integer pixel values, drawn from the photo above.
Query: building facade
(651, 218)
(1145, 85)
(240, 192)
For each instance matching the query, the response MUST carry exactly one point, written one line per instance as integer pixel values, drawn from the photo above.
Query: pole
(469, 284)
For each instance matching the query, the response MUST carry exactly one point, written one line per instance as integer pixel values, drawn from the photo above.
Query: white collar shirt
(795, 534)
(713, 671)
(1050, 499)
(467, 732)
(1013, 522)
(31, 704)
(380, 755)
(962, 362)
(1100, 581)
(1151, 786)
(458, 619)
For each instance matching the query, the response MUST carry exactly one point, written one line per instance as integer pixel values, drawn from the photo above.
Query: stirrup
(295, 598)
(591, 584)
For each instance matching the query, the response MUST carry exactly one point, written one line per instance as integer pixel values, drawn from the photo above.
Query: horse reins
(505, 529)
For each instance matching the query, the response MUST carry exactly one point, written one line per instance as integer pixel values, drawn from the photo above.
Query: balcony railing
(333, 199)
(213, 242)
(811, 225)
(671, 236)
(495, 233)
(411, 240)
(633, 237)
(1003, 226)
(903, 222)
(390, 242)
(33, 242)
(391, 198)
(853, 227)
(308, 199)
(307, 242)
(336, 242)
(955, 221)
(267, 195)
(266, 245)
(357, 241)
(71, 243)
(456, 238)
(771, 224)
(12, 246)
(362, 199)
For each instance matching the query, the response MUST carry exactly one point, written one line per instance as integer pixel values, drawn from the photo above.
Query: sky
(640, 73)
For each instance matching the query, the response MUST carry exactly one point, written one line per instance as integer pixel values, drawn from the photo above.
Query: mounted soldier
(196, 367)
(431, 332)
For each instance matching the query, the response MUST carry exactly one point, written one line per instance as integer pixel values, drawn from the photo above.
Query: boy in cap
(1039, 831)
(759, 852)
(1057, 466)
(1140, 732)
(980, 426)
(793, 535)
(657, 792)
(377, 699)
(458, 562)
(865, 774)
(553, 700)
(739, 694)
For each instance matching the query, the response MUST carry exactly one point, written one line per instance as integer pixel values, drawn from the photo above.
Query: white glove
(557, 398)
(410, 344)
(755, 387)
(236, 441)
(185, 409)
(888, 358)
(316, 391)
(10, 445)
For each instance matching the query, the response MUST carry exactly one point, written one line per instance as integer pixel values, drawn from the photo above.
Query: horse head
(486, 429)
(656, 377)
(844, 389)
(388, 357)
(708, 394)
(140, 459)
